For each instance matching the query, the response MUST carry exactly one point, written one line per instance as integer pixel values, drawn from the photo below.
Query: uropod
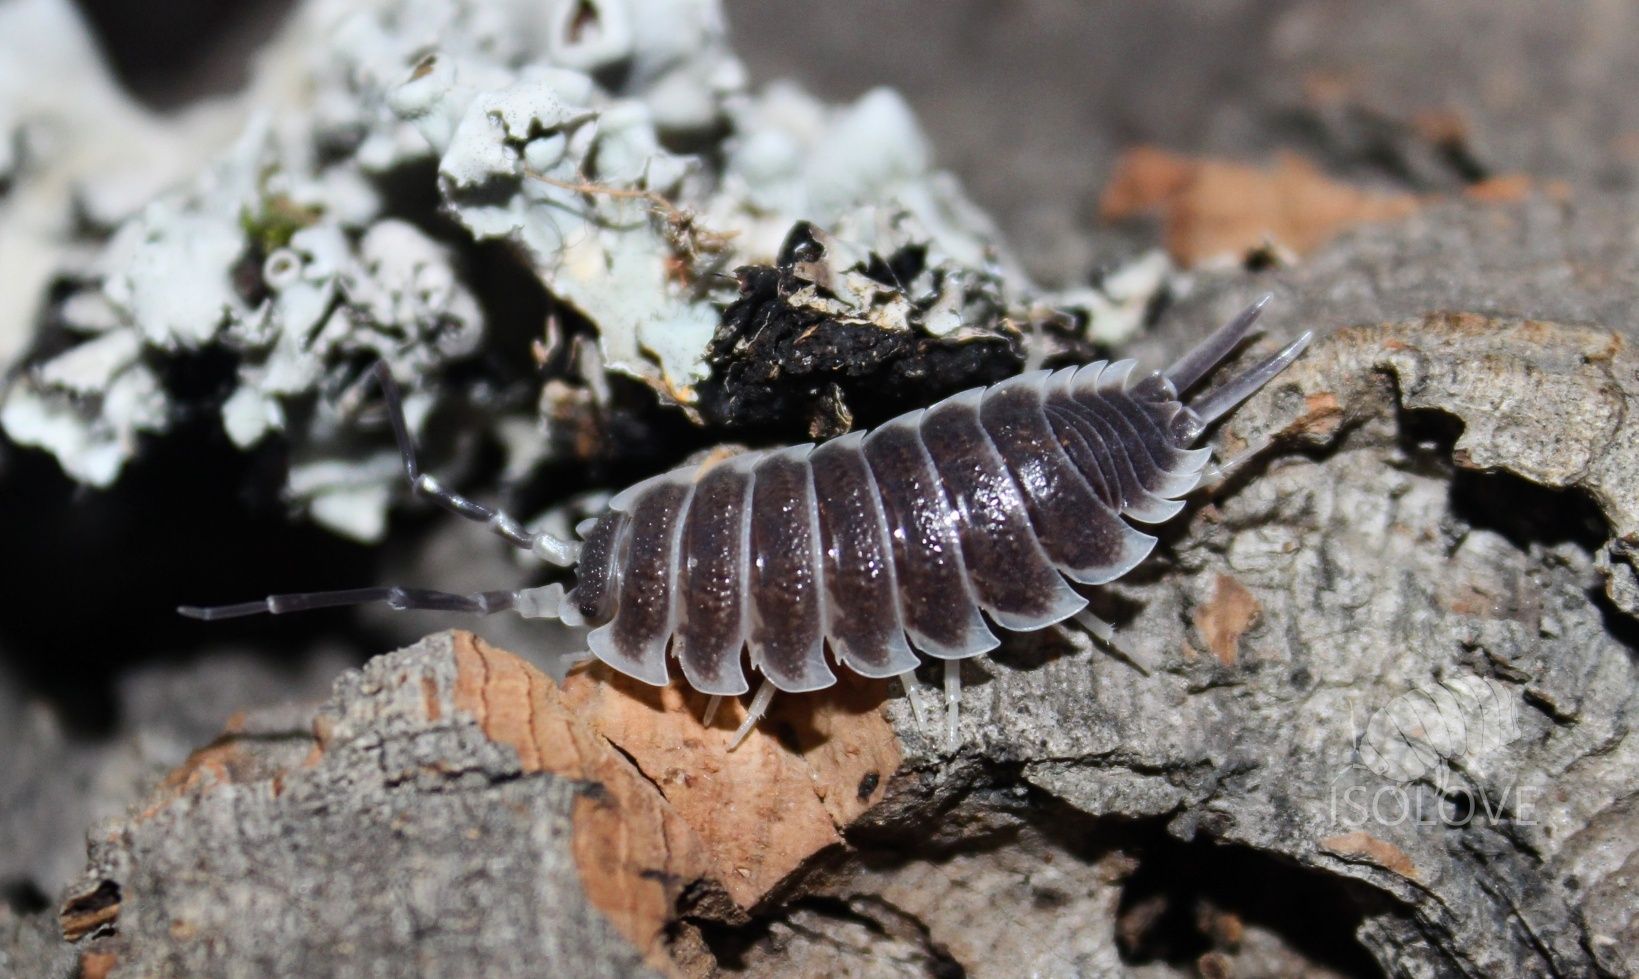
(869, 551)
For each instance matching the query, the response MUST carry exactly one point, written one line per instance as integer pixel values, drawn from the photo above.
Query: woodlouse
(877, 547)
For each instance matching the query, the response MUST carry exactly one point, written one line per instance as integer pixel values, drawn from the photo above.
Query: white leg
(1105, 633)
(711, 710)
(1100, 630)
(907, 680)
(953, 700)
(759, 704)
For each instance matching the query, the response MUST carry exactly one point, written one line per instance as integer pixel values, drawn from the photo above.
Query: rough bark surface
(389, 833)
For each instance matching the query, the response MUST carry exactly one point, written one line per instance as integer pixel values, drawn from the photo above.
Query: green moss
(279, 219)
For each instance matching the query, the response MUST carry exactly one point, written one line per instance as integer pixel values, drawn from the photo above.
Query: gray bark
(394, 843)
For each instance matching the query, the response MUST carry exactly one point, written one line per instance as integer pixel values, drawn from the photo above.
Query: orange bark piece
(217, 763)
(674, 805)
(633, 852)
(780, 797)
(1212, 209)
(1226, 617)
(97, 965)
(1322, 415)
(1503, 189)
(1361, 845)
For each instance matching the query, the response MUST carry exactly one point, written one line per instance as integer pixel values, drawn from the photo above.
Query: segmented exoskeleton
(878, 546)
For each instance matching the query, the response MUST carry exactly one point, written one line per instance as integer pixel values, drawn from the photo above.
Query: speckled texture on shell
(909, 538)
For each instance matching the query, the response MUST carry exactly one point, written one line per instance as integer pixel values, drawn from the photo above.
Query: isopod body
(912, 540)
(884, 545)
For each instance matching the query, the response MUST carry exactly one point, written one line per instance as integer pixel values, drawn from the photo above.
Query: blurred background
(1033, 102)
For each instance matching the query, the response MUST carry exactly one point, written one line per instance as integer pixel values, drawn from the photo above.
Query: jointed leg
(907, 680)
(759, 705)
(553, 549)
(953, 700)
(1104, 632)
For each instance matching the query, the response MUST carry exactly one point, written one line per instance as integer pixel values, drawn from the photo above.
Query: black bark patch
(796, 373)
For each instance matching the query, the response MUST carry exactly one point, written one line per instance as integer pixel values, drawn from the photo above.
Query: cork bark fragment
(743, 820)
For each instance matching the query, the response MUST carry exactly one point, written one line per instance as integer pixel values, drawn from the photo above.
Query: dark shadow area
(1524, 512)
(23, 897)
(168, 54)
(96, 575)
(1188, 899)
